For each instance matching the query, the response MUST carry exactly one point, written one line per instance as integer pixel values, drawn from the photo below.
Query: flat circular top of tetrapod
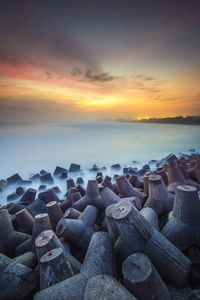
(52, 203)
(20, 211)
(40, 216)
(121, 209)
(137, 267)
(71, 212)
(109, 210)
(186, 188)
(52, 254)
(68, 212)
(43, 238)
(154, 178)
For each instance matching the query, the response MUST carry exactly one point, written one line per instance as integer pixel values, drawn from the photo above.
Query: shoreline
(190, 120)
(157, 123)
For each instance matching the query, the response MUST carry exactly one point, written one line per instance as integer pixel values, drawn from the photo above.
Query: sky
(98, 60)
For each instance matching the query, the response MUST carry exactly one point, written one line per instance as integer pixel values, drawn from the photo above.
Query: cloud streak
(90, 75)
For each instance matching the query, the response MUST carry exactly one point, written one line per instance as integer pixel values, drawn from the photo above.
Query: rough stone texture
(16, 280)
(183, 228)
(98, 261)
(151, 216)
(27, 259)
(158, 195)
(127, 190)
(80, 231)
(139, 236)
(142, 279)
(177, 293)
(47, 241)
(105, 287)
(91, 197)
(54, 267)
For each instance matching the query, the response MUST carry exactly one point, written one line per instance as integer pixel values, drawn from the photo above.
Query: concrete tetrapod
(55, 213)
(142, 279)
(72, 213)
(9, 239)
(27, 259)
(36, 207)
(107, 182)
(91, 197)
(48, 196)
(183, 228)
(16, 281)
(175, 177)
(110, 223)
(54, 267)
(99, 260)
(106, 287)
(160, 171)
(188, 181)
(81, 189)
(80, 231)
(41, 223)
(127, 190)
(20, 190)
(28, 197)
(75, 197)
(146, 184)
(151, 216)
(194, 172)
(15, 207)
(109, 197)
(158, 195)
(139, 236)
(132, 179)
(24, 221)
(70, 183)
(24, 247)
(70, 192)
(47, 241)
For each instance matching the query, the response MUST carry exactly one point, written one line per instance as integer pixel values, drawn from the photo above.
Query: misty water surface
(28, 149)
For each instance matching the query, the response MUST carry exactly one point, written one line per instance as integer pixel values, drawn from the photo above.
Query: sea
(27, 149)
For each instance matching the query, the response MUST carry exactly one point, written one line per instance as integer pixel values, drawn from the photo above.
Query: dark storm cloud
(103, 77)
(33, 32)
(91, 76)
(67, 31)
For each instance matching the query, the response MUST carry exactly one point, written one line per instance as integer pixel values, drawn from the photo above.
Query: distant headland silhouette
(189, 120)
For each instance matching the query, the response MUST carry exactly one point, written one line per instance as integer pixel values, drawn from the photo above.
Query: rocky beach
(134, 235)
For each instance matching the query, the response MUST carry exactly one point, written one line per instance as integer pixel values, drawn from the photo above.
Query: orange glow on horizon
(119, 98)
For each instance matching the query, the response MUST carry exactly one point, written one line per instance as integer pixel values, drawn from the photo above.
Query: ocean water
(31, 148)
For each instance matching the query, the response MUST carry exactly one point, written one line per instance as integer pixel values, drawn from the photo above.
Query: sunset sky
(106, 59)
